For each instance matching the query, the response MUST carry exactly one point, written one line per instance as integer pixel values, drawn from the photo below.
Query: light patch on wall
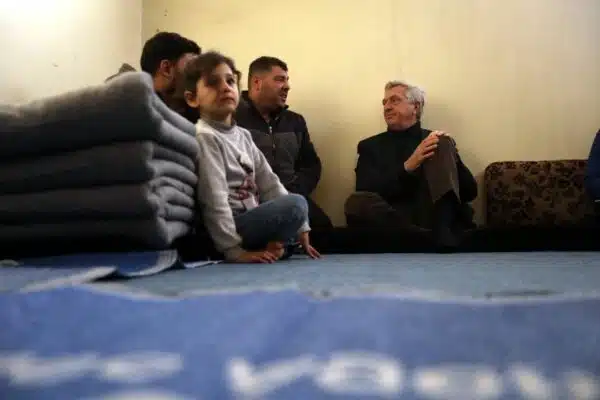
(56, 46)
(36, 7)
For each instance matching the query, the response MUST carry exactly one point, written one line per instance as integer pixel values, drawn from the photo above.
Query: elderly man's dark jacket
(380, 167)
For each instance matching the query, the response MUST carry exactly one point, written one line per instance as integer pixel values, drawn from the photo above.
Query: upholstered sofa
(536, 194)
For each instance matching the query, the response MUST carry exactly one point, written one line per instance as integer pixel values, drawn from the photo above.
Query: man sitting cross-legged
(410, 177)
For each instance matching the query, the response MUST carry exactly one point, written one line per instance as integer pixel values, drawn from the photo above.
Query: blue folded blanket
(42, 273)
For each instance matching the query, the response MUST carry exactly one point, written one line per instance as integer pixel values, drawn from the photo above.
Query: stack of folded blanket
(104, 162)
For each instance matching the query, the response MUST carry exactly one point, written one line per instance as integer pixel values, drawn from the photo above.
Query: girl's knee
(294, 205)
(298, 203)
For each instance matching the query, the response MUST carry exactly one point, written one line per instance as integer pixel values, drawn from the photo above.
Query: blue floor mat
(467, 274)
(72, 343)
(36, 273)
(26, 279)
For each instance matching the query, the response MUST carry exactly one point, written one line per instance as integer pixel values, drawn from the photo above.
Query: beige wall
(509, 79)
(53, 46)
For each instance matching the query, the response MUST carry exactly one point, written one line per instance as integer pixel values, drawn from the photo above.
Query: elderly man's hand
(424, 150)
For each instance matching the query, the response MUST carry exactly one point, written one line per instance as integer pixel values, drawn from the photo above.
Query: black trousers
(318, 219)
(435, 203)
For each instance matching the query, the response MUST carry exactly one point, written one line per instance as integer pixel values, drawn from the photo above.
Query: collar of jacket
(246, 101)
(413, 131)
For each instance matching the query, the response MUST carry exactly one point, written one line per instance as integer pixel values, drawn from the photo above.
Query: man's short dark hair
(165, 46)
(264, 64)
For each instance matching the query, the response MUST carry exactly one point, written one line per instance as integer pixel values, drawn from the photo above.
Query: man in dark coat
(410, 177)
(281, 134)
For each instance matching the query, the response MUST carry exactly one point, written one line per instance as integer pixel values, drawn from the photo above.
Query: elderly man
(281, 134)
(410, 177)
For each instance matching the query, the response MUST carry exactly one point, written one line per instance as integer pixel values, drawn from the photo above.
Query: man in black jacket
(281, 134)
(411, 177)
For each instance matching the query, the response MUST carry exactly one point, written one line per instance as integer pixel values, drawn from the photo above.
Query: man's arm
(372, 176)
(308, 165)
(592, 171)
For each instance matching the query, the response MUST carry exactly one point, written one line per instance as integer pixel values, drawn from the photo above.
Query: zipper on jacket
(273, 121)
(272, 139)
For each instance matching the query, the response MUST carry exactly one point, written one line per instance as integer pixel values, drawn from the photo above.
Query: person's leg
(367, 209)
(317, 217)
(440, 171)
(277, 220)
(442, 181)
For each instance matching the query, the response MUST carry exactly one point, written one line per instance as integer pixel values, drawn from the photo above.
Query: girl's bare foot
(276, 248)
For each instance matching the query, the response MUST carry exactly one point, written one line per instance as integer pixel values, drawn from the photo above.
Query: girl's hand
(263, 257)
(305, 242)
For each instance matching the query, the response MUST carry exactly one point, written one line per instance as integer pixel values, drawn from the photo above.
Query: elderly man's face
(398, 112)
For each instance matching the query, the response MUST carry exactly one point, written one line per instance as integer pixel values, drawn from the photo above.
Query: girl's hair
(203, 65)
(194, 70)
(178, 104)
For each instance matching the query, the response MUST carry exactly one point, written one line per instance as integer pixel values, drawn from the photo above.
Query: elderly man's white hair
(414, 94)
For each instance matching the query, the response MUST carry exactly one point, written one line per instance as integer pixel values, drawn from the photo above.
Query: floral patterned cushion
(537, 193)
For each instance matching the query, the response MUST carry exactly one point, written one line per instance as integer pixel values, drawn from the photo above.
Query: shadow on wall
(331, 192)
(13, 95)
(124, 68)
(336, 141)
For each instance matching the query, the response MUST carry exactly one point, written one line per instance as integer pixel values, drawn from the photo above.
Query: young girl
(247, 211)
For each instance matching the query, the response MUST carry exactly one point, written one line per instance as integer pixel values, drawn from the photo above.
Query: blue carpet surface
(469, 274)
(36, 273)
(72, 343)
(26, 279)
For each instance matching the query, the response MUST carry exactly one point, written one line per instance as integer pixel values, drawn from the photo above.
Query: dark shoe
(416, 229)
(291, 249)
(446, 240)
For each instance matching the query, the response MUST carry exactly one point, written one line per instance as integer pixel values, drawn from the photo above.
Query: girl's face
(217, 94)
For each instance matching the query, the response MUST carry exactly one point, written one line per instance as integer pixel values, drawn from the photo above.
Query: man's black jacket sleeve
(372, 175)
(308, 165)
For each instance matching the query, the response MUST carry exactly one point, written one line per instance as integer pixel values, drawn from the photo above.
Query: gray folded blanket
(119, 163)
(125, 108)
(153, 232)
(112, 202)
